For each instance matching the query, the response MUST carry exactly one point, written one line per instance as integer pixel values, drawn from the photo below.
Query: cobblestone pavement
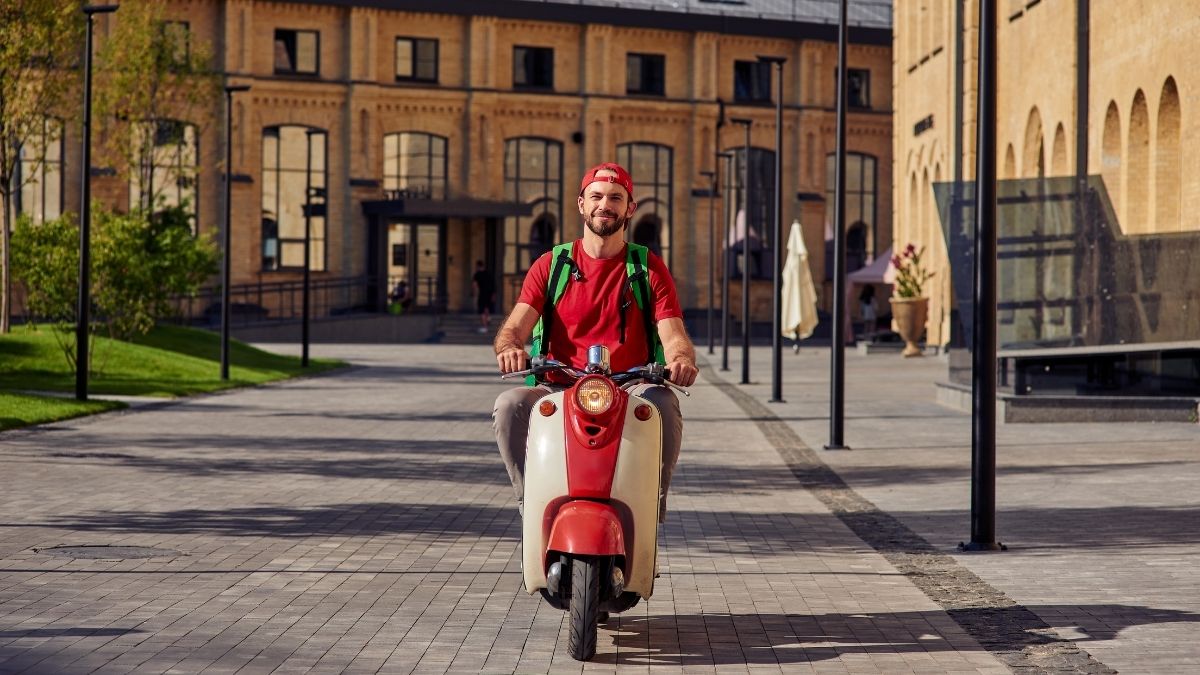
(362, 522)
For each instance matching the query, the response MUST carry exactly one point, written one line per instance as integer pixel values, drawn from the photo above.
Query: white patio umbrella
(799, 297)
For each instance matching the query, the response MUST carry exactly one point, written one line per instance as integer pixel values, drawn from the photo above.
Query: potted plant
(910, 307)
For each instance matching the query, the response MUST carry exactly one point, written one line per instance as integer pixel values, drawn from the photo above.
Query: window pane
(853, 173)
(285, 51)
(520, 66)
(306, 52)
(633, 72)
(869, 174)
(404, 58)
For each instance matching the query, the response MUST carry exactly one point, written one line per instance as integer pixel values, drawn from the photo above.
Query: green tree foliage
(151, 71)
(39, 75)
(139, 265)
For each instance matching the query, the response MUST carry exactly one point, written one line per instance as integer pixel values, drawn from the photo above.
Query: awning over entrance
(457, 207)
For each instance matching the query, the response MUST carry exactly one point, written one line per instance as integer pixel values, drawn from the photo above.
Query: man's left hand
(683, 372)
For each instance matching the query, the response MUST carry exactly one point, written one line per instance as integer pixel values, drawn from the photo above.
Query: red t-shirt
(589, 311)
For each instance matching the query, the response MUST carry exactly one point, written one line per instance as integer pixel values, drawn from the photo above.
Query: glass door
(416, 263)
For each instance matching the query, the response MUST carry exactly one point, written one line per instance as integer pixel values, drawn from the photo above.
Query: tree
(139, 266)
(38, 73)
(156, 89)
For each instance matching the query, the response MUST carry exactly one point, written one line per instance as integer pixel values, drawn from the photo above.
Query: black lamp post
(226, 231)
(777, 240)
(712, 261)
(725, 267)
(304, 295)
(83, 308)
(983, 347)
(745, 251)
(837, 358)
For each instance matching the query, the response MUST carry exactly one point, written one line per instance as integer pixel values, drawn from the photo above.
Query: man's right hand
(511, 360)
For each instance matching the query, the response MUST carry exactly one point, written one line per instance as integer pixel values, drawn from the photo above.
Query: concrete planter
(909, 315)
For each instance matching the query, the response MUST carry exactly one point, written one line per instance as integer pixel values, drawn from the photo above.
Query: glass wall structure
(757, 229)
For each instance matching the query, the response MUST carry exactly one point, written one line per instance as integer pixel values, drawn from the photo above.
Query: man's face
(605, 207)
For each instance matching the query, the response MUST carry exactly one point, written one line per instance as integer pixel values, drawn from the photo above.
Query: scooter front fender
(587, 528)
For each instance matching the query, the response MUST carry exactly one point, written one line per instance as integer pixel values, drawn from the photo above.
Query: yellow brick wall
(357, 100)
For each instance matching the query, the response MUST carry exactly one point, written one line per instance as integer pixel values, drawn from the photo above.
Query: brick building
(434, 134)
(1093, 98)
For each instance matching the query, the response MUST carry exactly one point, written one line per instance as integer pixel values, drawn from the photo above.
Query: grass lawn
(169, 361)
(18, 410)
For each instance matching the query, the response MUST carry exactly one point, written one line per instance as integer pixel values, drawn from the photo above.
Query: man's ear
(580, 204)
(631, 209)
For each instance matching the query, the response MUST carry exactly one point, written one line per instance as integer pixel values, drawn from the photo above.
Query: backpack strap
(556, 285)
(638, 272)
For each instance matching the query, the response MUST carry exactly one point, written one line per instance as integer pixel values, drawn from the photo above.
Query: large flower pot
(909, 315)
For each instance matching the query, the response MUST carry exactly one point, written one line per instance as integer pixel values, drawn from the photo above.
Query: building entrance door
(416, 256)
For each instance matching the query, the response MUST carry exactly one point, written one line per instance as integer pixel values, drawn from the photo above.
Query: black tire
(585, 607)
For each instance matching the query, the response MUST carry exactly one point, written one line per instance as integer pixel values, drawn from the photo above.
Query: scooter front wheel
(585, 607)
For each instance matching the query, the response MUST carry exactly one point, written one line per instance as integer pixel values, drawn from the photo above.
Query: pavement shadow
(754, 639)
(47, 633)
(432, 521)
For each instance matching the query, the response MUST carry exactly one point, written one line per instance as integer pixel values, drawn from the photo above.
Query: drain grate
(104, 552)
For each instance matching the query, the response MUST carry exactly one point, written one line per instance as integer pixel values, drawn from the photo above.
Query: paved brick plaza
(362, 522)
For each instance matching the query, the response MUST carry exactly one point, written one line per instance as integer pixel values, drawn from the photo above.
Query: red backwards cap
(622, 178)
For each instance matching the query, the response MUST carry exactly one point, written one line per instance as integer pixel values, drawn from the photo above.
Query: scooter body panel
(635, 484)
(545, 488)
(632, 504)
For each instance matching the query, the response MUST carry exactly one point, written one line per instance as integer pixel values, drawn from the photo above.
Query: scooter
(592, 465)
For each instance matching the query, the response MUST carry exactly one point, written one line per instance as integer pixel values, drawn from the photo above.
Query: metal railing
(266, 302)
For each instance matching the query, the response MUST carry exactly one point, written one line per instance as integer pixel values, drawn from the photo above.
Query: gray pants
(510, 420)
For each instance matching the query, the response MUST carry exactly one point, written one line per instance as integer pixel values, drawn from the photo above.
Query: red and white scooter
(590, 526)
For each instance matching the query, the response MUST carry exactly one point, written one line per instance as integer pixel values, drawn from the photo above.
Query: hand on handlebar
(682, 373)
(512, 360)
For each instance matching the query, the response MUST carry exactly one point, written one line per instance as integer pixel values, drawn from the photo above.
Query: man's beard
(601, 229)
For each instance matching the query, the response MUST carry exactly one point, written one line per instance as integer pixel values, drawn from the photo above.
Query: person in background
(485, 295)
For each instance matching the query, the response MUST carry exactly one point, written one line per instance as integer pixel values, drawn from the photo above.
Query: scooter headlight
(594, 395)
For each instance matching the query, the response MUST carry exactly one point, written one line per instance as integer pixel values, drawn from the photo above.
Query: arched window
(166, 174)
(414, 163)
(293, 162)
(651, 168)
(860, 204)
(532, 175)
(1167, 169)
(757, 229)
(38, 180)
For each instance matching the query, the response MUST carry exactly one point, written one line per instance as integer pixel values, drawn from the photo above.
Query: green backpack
(638, 276)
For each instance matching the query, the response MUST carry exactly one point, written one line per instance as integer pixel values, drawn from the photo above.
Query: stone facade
(356, 99)
(1140, 132)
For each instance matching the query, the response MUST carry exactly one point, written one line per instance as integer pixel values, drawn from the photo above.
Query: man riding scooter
(597, 290)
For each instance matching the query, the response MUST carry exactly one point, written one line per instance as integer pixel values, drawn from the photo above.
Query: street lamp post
(304, 295)
(725, 265)
(83, 308)
(227, 229)
(837, 358)
(745, 251)
(712, 201)
(777, 239)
